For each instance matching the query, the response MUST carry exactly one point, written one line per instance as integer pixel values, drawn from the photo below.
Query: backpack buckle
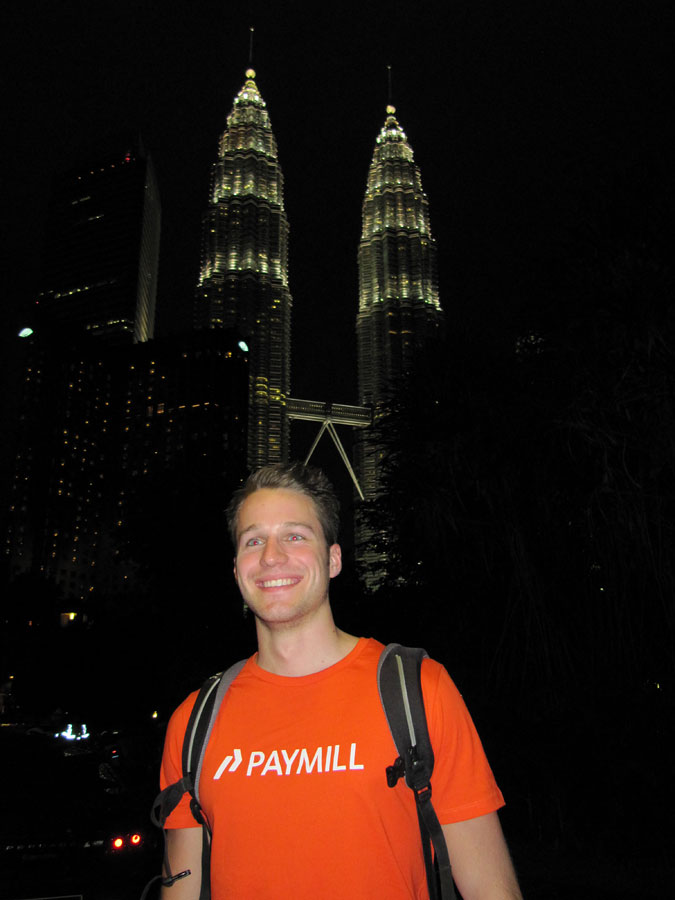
(417, 773)
(395, 772)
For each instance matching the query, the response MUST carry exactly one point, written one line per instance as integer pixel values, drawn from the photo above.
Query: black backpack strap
(199, 730)
(400, 686)
(168, 799)
(197, 733)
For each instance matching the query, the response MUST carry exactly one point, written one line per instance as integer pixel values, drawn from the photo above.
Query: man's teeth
(278, 582)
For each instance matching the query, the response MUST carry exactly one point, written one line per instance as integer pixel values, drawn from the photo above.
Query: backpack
(398, 679)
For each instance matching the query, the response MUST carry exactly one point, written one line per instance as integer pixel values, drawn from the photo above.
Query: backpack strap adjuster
(423, 794)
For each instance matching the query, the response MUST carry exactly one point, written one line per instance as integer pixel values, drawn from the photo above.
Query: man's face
(283, 565)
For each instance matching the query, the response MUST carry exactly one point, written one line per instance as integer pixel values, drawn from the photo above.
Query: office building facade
(103, 432)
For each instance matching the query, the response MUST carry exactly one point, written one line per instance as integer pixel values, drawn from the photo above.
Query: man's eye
(295, 537)
(253, 542)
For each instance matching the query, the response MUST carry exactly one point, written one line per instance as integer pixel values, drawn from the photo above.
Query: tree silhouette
(530, 493)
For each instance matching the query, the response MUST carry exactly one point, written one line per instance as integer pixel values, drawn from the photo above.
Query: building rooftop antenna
(389, 90)
(250, 46)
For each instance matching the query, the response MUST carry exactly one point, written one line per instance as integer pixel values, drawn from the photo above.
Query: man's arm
(481, 865)
(184, 850)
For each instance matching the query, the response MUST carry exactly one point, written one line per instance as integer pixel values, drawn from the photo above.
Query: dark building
(116, 432)
(243, 281)
(101, 247)
(100, 426)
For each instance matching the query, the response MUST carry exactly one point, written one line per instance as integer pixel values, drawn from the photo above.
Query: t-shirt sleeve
(462, 782)
(172, 767)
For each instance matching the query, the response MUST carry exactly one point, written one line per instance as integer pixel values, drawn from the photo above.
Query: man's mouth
(277, 582)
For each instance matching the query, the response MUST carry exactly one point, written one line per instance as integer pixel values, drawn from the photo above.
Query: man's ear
(234, 570)
(334, 560)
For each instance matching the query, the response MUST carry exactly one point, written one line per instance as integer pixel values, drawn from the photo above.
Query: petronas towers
(399, 310)
(243, 281)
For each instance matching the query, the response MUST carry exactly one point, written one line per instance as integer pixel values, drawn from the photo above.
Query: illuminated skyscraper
(399, 310)
(243, 281)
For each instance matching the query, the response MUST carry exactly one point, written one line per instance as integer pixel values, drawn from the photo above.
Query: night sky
(517, 113)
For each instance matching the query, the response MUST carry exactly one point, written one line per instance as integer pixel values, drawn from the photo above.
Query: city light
(123, 841)
(69, 734)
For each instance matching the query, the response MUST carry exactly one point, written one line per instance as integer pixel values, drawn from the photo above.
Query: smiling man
(293, 780)
(283, 565)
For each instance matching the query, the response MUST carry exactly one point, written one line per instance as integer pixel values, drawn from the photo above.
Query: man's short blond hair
(293, 476)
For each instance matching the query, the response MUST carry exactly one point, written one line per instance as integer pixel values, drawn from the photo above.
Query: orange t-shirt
(294, 785)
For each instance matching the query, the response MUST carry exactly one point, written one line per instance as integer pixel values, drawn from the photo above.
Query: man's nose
(273, 552)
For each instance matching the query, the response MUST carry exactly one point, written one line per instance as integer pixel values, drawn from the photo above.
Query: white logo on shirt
(226, 762)
(282, 763)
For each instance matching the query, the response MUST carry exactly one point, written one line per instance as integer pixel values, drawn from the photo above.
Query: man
(293, 781)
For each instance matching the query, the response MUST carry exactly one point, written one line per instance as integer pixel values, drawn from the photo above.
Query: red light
(118, 842)
(135, 838)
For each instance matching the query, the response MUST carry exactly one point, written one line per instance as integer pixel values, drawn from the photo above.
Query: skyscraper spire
(243, 282)
(399, 310)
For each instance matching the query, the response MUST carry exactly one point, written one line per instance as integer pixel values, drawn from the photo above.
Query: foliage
(529, 496)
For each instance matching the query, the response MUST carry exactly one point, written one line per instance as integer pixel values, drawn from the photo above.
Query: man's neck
(302, 650)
